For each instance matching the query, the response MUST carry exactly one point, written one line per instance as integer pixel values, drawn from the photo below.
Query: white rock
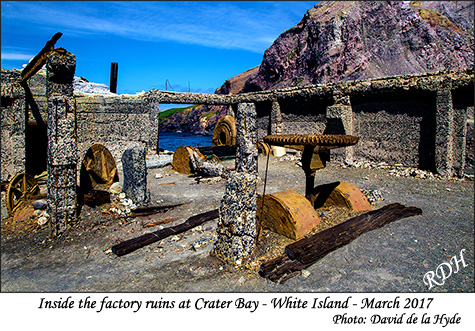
(116, 188)
(42, 220)
(278, 151)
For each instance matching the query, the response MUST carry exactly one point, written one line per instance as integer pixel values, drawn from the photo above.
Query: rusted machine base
(287, 213)
(181, 159)
(339, 194)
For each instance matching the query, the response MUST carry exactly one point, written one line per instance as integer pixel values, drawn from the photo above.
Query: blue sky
(198, 43)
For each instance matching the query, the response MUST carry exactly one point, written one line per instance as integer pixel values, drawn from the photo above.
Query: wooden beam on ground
(145, 211)
(163, 221)
(40, 59)
(149, 238)
(305, 252)
(222, 152)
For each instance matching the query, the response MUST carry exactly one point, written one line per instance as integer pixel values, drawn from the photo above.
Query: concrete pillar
(460, 140)
(13, 148)
(135, 174)
(339, 118)
(62, 155)
(152, 104)
(444, 133)
(275, 119)
(246, 138)
(237, 224)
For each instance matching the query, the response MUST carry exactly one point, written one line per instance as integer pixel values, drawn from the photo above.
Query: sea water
(170, 141)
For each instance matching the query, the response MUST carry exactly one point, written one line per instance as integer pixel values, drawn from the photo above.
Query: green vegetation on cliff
(172, 111)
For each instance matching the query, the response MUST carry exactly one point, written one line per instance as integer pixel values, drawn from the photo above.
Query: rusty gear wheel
(325, 141)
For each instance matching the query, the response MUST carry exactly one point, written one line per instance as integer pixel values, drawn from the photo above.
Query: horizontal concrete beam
(416, 82)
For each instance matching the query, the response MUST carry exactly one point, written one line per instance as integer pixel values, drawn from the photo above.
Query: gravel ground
(390, 259)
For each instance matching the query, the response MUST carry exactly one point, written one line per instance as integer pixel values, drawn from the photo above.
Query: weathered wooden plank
(40, 59)
(149, 238)
(144, 211)
(305, 252)
(162, 221)
(310, 249)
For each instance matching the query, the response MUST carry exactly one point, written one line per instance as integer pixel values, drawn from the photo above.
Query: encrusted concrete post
(460, 140)
(62, 153)
(135, 174)
(237, 225)
(275, 119)
(339, 117)
(246, 138)
(153, 105)
(13, 149)
(444, 133)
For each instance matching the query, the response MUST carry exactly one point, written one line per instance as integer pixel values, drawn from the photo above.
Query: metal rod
(114, 71)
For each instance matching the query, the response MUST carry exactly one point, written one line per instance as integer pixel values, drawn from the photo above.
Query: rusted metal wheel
(22, 187)
(98, 167)
(224, 133)
(263, 148)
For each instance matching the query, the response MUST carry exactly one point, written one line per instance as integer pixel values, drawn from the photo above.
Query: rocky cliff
(348, 40)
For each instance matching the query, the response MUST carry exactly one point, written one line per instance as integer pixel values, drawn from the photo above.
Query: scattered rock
(372, 195)
(398, 170)
(40, 204)
(201, 243)
(37, 213)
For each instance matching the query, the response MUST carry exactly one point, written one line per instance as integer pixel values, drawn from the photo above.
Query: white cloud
(16, 56)
(248, 26)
